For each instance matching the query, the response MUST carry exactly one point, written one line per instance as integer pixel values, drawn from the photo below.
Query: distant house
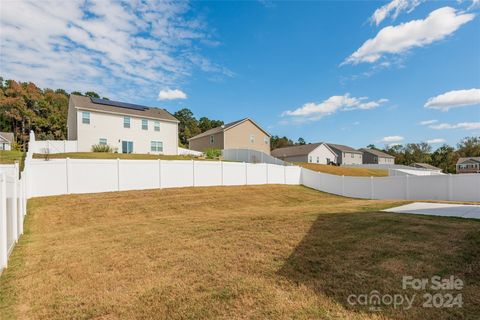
(241, 134)
(312, 153)
(426, 166)
(468, 165)
(6, 140)
(346, 155)
(374, 156)
(126, 127)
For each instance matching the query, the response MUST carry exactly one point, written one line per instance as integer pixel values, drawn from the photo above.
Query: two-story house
(374, 156)
(241, 134)
(127, 128)
(346, 155)
(468, 165)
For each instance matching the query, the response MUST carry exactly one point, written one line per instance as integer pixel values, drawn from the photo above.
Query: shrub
(213, 153)
(101, 148)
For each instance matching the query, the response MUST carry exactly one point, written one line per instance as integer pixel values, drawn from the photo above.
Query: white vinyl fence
(65, 176)
(13, 203)
(461, 187)
(251, 156)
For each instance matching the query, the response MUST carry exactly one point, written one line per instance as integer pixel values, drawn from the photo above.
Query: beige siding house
(346, 155)
(241, 134)
(319, 153)
(374, 156)
(127, 128)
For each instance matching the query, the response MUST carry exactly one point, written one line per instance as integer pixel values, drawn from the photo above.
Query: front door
(127, 146)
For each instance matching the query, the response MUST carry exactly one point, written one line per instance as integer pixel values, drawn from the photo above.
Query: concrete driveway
(439, 209)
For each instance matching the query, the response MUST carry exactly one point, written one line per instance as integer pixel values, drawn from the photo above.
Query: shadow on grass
(354, 254)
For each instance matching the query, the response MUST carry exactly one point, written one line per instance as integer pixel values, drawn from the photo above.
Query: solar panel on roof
(119, 104)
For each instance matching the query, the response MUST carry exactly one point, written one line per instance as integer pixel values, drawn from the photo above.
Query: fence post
(193, 173)
(160, 173)
(67, 165)
(221, 173)
(407, 187)
(246, 173)
(3, 222)
(371, 188)
(118, 174)
(343, 185)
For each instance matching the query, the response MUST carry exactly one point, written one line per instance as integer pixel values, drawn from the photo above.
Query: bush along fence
(13, 204)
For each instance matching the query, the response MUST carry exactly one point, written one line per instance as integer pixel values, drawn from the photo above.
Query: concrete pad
(439, 209)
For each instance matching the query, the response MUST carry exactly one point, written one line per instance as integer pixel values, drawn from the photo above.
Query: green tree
(445, 158)
(92, 94)
(301, 141)
(280, 142)
(469, 147)
(188, 126)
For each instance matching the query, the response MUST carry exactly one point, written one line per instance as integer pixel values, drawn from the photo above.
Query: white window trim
(129, 122)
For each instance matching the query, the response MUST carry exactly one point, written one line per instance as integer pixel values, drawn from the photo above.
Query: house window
(127, 146)
(318, 159)
(352, 155)
(126, 122)
(212, 139)
(310, 159)
(102, 141)
(86, 117)
(156, 146)
(266, 140)
(144, 124)
(156, 125)
(252, 138)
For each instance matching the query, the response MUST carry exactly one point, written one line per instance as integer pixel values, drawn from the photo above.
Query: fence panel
(292, 174)
(465, 187)
(390, 188)
(138, 174)
(208, 173)
(90, 176)
(234, 173)
(276, 174)
(46, 178)
(256, 173)
(177, 173)
(357, 187)
(428, 187)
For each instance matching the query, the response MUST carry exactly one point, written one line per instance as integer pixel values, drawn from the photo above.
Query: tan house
(241, 134)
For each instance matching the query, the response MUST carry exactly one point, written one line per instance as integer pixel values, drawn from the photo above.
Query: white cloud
(436, 141)
(116, 48)
(392, 139)
(428, 122)
(393, 9)
(454, 99)
(461, 125)
(169, 94)
(399, 39)
(315, 111)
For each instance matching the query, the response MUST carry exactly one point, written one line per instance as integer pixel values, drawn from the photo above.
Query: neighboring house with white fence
(127, 128)
(468, 165)
(6, 140)
(346, 155)
(312, 153)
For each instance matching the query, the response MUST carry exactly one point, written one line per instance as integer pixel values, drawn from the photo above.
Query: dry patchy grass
(346, 171)
(258, 252)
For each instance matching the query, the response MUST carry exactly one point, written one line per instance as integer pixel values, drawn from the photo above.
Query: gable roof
(465, 159)
(298, 150)
(8, 136)
(225, 127)
(343, 148)
(108, 106)
(377, 153)
(424, 166)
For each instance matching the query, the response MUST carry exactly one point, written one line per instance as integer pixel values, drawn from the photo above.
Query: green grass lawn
(256, 252)
(110, 155)
(9, 157)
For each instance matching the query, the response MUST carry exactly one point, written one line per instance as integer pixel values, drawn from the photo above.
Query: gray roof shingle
(298, 150)
(343, 148)
(377, 153)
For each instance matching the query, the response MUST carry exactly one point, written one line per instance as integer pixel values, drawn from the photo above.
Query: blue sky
(352, 72)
